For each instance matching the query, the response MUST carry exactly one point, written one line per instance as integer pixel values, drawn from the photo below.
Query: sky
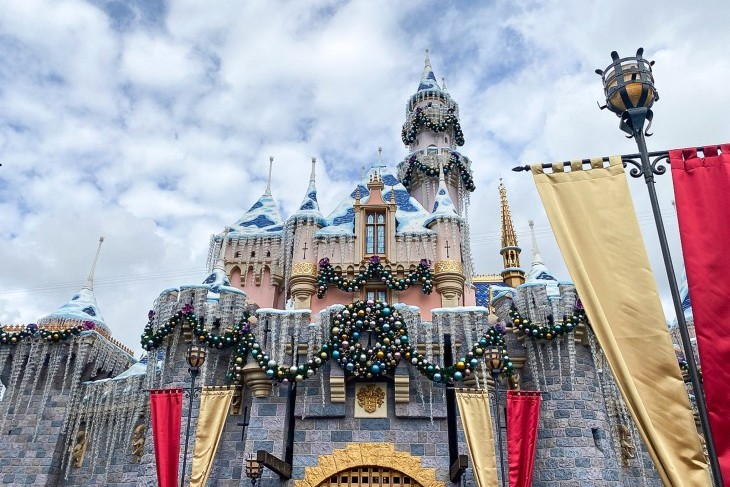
(151, 122)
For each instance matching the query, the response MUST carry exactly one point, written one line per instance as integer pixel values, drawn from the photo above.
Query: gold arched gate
(370, 476)
(369, 465)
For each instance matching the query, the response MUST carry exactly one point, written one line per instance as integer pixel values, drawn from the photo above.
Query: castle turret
(307, 220)
(449, 269)
(512, 273)
(432, 133)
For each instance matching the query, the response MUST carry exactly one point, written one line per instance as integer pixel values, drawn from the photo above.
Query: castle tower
(449, 270)
(432, 133)
(307, 220)
(512, 273)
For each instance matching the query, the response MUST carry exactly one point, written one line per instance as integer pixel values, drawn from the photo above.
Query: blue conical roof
(428, 79)
(262, 217)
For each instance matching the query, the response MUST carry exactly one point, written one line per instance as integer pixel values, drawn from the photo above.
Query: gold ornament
(370, 398)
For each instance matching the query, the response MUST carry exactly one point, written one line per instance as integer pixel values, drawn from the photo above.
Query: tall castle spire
(512, 273)
(90, 279)
(432, 132)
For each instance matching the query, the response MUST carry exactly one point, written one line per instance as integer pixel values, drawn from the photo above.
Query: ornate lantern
(253, 469)
(628, 83)
(196, 355)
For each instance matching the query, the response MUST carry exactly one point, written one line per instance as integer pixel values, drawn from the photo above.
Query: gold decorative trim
(370, 397)
(304, 269)
(368, 454)
(449, 265)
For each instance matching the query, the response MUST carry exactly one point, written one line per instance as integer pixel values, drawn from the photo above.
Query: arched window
(375, 232)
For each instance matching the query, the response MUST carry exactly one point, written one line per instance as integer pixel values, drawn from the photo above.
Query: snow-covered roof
(410, 216)
(262, 218)
(428, 79)
(81, 307)
(216, 283)
(309, 209)
(443, 207)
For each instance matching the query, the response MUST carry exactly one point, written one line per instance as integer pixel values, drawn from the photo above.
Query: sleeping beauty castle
(342, 350)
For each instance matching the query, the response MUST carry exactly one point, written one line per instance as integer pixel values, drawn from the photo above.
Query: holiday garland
(391, 343)
(152, 339)
(408, 134)
(553, 329)
(32, 331)
(375, 271)
(455, 163)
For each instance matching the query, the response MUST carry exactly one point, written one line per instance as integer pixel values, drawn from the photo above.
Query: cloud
(152, 122)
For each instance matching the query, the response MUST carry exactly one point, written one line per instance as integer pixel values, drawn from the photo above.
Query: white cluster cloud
(151, 122)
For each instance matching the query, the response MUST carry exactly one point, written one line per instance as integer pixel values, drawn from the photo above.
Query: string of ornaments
(33, 331)
(375, 271)
(553, 329)
(455, 163)
(388, 343)
(409, 133)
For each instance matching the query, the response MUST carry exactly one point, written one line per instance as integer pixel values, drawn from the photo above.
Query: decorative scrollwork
(637, 171)
(657, 165)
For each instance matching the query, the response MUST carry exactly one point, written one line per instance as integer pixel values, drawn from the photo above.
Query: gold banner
(214, 404)
(593, 218)
(477, 422)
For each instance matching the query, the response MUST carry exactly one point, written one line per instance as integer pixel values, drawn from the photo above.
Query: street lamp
(253, 469)
(496, 364)
(196, 358)
(630, 93)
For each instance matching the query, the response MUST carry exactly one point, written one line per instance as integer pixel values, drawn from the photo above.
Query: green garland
(455, 163)
(32, 330)
(229, 338)
(375, 271)
(152, 339)
(552, 330)
(408, 134)
(391, 344)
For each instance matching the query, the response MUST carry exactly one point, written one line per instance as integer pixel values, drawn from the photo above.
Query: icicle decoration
(551, 358)
(558, 347)
(53, 362)
(532, 361)
(571, 358)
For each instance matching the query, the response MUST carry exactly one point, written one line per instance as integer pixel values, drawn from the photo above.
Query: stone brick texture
(574, 443)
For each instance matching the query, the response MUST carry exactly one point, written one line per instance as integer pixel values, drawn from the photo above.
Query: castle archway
(369, 465)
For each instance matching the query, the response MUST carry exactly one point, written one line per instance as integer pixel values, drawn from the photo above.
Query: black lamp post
(496, 364)
(253, 469)
(630, 93)
(196, 358)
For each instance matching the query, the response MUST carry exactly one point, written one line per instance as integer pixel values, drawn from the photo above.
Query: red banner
(166, 409)
(702, 191)
(523, 413)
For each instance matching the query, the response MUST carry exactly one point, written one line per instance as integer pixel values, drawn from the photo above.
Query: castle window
(253, 253)
(446, 140)
(377, 295)
(375, 233)
(268, 253)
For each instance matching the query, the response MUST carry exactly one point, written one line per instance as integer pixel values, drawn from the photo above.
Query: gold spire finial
(513, 275)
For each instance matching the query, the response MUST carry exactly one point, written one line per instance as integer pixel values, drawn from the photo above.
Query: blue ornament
(386, 311)
(404, 339)
(458, 376)
(336, 354)
(437, 377)
(483, 342)
(386, 327)
(355, 335)
(350, 366)
(269, 373)
(375, 368)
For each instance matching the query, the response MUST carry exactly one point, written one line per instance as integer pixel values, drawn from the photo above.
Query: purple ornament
(425, 263)
(324, 262)
(374, 260)
(578, 304)
(188, 309)
(89, 325)
(32, 328)
(151, 315)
